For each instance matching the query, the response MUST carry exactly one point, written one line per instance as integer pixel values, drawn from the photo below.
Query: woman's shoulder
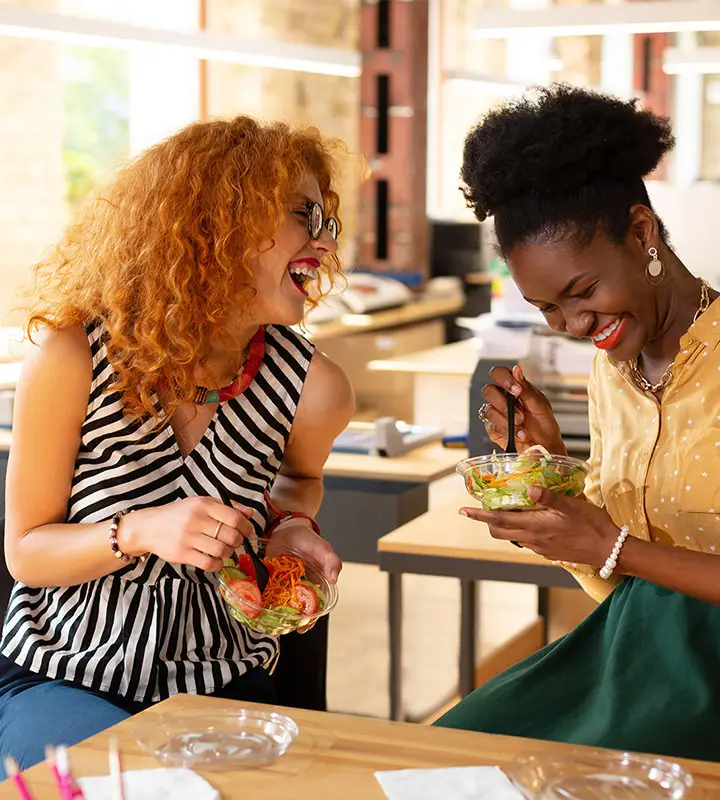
(59, 365)
(69, 347)
(287, 338)
(327, 388)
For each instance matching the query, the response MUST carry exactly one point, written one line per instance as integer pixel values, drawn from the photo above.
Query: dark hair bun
(557, 139)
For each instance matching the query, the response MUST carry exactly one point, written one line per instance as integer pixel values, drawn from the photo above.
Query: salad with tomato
(291, 598)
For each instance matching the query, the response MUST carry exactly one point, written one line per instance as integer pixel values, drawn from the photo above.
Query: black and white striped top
(151, 630)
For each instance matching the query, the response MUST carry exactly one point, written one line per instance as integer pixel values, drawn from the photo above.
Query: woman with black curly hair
(561, 171)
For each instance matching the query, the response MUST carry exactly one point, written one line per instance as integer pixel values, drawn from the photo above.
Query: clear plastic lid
(599, 775)
(221, 740)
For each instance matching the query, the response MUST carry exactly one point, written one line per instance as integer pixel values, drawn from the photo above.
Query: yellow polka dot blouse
(656, 466)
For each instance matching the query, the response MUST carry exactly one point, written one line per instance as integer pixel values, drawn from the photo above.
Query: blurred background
(87, 84)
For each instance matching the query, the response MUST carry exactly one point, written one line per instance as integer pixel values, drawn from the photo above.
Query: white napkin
(455, 783)
(150, 784)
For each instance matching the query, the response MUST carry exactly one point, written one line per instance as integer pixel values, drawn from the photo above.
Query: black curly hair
(562, 163)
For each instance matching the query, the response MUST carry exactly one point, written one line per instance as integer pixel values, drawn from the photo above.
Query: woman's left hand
(568, 528)
(299, 535)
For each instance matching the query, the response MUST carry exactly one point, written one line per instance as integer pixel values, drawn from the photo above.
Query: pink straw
(116, 769)
(59, 781)
(66, 785)
(13, 772)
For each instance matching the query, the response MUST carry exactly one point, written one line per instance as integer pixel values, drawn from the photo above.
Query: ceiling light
(47, 26)
(691, 61)
(597, 19)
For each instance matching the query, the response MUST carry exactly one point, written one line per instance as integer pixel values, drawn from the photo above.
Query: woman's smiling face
(596, 291)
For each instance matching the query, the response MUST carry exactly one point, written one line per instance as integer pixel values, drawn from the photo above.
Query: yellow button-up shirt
(655, 466)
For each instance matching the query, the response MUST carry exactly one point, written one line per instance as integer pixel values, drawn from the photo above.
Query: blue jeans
(37, 711)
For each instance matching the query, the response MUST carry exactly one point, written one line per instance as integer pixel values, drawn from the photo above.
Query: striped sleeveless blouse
(151, 630)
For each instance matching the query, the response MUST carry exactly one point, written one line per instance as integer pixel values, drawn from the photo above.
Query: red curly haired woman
(165, 374)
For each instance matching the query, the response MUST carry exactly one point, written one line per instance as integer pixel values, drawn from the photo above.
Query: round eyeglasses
(316, 221)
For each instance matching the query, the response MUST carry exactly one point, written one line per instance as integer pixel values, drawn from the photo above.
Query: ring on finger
(483, 411)
(217, 530)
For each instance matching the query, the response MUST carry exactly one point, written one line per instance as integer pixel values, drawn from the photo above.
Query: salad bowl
(500, 480)
(297, 592)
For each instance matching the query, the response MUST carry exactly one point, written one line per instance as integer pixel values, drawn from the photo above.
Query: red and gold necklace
(256, 351)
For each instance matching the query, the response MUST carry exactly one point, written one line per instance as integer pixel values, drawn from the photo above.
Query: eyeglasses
(316, 220)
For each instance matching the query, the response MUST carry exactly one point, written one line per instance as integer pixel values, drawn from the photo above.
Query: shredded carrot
(286, 572)
(501, 480)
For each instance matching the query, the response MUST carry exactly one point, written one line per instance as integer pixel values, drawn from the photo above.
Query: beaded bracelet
(114, 546)
(612, 559)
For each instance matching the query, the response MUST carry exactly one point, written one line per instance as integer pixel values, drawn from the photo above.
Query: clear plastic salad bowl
(501, 481)
(599, 774)
(290, 601)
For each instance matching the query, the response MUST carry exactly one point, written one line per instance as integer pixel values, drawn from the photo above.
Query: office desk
(367, 496)
(442, 543)
(441, 382)
(408, 314)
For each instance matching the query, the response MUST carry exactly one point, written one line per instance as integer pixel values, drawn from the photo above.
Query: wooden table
(369, 496)
(440, 542)
(335, 755)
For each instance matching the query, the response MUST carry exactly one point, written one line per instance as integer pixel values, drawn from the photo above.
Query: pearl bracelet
(611, 561)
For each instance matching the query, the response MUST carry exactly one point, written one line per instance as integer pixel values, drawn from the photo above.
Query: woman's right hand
(535, 422)
(186, 532)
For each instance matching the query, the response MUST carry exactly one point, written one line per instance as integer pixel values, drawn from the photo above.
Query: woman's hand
(535, 422)
(299, 535)
(567, 529)
(186, 532)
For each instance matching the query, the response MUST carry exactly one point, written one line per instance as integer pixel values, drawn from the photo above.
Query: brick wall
(31, 171)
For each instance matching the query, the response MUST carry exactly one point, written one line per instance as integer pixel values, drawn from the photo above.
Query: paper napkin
(151, 784)
(455, 783)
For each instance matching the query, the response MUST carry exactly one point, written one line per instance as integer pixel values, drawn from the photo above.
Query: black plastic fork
(262, 574)
(510, 446)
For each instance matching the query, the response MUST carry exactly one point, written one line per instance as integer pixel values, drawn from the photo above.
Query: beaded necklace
(256, 351)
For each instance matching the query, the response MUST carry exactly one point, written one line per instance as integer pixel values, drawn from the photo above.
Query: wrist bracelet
(611, 560)
(286, 517)
(114, 546)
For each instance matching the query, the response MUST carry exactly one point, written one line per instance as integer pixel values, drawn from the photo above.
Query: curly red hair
(164, 253)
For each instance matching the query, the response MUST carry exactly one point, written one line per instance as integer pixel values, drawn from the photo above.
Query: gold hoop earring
(655, 270)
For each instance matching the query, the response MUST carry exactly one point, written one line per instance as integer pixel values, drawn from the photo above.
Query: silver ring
(483, 411)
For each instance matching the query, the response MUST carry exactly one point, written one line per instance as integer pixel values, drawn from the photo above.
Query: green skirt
(641, 672)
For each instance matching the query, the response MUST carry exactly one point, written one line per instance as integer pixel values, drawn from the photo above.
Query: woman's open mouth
(302, 272)
(609, 335)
